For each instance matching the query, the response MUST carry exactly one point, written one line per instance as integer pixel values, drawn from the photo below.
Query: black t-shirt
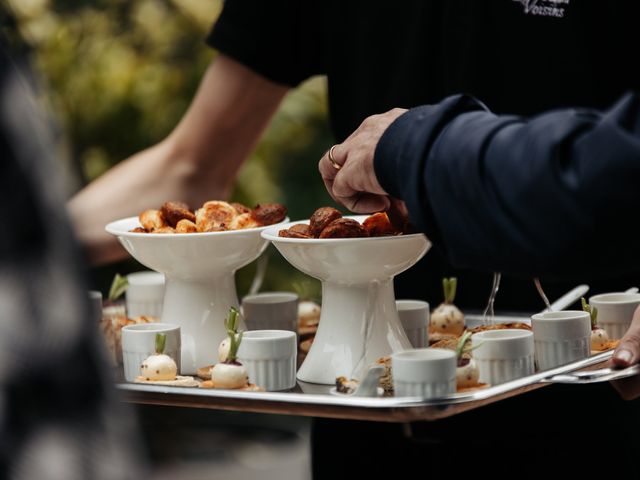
(517, 56)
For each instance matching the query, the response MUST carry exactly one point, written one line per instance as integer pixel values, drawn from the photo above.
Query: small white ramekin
(424, 372)
(414, 317)
(270, 358)
(145, 294)
(139, 341)
(503, 355)
(561, 337)
(615, 311)
(271, 311)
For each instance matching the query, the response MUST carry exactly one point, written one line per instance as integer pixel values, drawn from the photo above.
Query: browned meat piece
(173, 212)
(215, 216)
(321, 218)
(378, 225)
(138, 230)
(240, 208)
(246, 220)
(152, 220)
(186, 226)
(344, 228)
(301, 228)
(269, 213)
(291, 233)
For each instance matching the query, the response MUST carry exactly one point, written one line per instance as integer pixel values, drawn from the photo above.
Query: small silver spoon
(368, 387)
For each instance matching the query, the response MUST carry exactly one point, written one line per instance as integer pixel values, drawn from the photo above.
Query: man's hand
(351, 180)
(628, 351)
(627, 354)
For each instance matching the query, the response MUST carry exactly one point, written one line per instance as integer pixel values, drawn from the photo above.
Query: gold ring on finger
(335, 164)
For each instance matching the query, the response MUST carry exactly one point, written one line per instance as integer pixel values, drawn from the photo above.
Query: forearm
(549, 195)
(198, 161)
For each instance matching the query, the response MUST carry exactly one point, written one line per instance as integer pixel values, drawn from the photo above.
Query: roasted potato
(166, 229)
(246, 220)
(186, 226)
(214, 216)
(152, 220)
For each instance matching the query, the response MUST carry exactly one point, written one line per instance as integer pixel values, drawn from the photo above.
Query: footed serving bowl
(200, 280)
(359, 322)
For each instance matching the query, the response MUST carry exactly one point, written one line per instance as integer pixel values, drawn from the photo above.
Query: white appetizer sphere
(159, 367)
(467, 375)
(599, 339)
(447, 318)
(308, 312)
(229, 375)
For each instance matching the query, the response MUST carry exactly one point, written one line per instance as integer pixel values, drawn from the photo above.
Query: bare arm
(196, 162)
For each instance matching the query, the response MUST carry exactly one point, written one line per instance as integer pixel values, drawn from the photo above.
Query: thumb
(628, 351)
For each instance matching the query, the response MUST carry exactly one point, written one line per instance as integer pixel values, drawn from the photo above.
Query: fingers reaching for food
(212, 216)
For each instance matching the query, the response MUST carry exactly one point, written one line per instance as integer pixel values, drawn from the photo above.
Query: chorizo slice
(321, 218)
(269, 213)
(344, 228)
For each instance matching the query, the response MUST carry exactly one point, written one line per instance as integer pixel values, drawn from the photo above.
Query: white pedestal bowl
(200, 280)
(359, 322)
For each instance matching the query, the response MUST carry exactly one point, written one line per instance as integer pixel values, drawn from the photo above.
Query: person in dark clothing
(548, 195)
(520, 58)
(516, 58)
(59, 415)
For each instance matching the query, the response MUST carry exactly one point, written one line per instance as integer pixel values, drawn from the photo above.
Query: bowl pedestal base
(199, 307)
(358, 325)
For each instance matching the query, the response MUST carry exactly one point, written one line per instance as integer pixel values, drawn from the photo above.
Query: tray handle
(594, 376)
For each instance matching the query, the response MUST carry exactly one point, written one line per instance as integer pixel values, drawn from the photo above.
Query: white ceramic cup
(271, 311)
(615, 311)
(139, 341)
(270, 358)
(561, 337)
(424, 372)
(414, 317)
(145, 294)
(503, 355)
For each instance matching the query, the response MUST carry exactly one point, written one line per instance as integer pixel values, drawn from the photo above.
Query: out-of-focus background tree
(118, 76)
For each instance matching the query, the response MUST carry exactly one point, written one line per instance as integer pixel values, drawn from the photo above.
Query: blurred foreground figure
(59, 417)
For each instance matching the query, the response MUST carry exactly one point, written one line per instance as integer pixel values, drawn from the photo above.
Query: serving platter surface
(315, 400)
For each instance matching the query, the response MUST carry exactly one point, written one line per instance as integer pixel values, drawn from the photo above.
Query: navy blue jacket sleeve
(557, 194)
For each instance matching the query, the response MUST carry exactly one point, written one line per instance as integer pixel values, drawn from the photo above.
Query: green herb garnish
(231, 322)
(235, 338)
(593, 312)
(462, 347)
(449, 286)
(118, 287)
(161, 340)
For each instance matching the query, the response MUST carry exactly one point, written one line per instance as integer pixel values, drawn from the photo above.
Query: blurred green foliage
(121, 73)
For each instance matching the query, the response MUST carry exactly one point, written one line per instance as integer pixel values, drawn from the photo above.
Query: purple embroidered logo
(544, 8)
